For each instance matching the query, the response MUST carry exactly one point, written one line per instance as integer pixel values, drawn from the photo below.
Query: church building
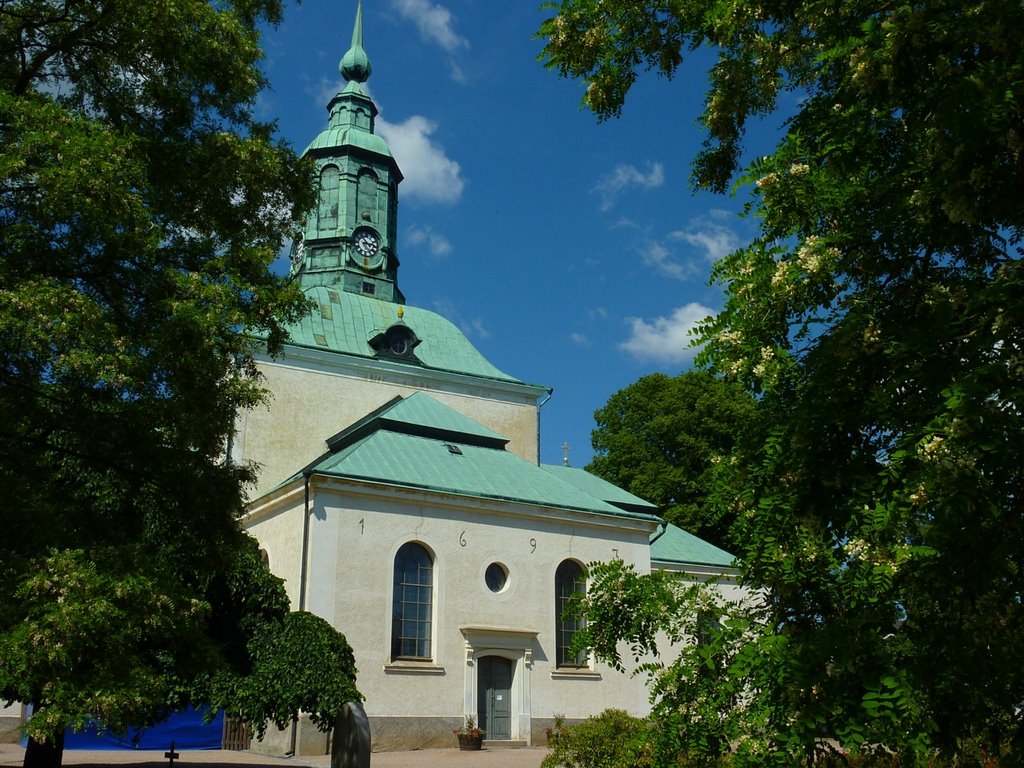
(401, 495)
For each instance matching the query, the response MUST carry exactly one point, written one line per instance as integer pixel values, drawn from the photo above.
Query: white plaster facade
(354, 531)
(316, 393)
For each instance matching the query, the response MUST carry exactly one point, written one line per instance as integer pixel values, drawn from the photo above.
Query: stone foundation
(10, 723)
(277, 742)
(388, 734)
(395, 734)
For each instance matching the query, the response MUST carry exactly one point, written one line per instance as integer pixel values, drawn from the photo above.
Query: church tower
(348, 240)
(400, 495)
(361, 344)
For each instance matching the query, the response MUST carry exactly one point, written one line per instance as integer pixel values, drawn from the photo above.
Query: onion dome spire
(355, 64)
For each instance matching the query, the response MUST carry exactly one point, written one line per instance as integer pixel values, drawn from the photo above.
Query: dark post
(172, 755)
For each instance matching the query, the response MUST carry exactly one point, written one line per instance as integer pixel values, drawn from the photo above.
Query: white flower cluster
(764, 366)
(958, 427)
(939, 294)
(919, 496)
(781, 273)
(1000, 323)
(858, 549)
(732, 338)
(808, 255)
(936, 450)
(810, 551)
(799, 169)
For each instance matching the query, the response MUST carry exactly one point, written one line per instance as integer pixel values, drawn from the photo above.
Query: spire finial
(355, 64)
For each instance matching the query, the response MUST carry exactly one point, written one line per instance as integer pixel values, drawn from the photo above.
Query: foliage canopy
(141, 205)
(664, 438)
(878, 316)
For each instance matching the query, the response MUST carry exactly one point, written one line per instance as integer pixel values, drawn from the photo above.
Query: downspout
(230, 447)
(305, 541)
(541, 404)
(303, 571)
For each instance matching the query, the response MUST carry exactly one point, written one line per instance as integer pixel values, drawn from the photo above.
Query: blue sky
(573, 254)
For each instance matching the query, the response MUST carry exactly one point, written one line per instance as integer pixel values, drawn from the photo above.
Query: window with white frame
(412, 603)
(569, 580)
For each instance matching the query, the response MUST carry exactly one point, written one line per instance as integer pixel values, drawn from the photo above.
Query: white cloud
(665, 339)
(579, 339)
(434, 22)
(658, 256)
(430, 175)
(624, 176)
(457, 73)
(324, 89)
(437, 244)
(473, 327)
(712, 239)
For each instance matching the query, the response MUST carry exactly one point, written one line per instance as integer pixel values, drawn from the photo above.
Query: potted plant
(470, 737)
(553, 733)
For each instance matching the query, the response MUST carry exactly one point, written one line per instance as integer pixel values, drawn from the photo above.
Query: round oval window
(496, 577)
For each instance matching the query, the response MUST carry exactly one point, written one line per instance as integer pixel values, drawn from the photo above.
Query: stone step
(503, 744)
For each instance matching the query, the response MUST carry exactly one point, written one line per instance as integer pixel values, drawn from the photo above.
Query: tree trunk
(44, 754)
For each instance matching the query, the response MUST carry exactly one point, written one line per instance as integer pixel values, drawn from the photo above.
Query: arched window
(327, 213)
(569, 579)
(412, 603)
(367, 194)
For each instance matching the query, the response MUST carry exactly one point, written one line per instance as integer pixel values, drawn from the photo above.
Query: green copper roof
(397, 449)
(672, 544)
(420, 414)
(355, 64)
(421, 410)
(600, 488)
(420, 462)
(345, 322)
(340, 134)
(352, 111)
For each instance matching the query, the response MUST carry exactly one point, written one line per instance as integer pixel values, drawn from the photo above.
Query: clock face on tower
(367, 242)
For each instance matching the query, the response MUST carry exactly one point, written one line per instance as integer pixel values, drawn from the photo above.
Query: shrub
(612, 739)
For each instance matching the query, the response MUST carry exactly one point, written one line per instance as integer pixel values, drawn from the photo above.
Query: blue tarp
(185, 728)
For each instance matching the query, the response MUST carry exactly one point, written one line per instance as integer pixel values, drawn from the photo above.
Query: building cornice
(460, 503)
(343, 364)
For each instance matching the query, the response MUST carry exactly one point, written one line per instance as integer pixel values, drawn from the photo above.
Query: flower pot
(470, 740)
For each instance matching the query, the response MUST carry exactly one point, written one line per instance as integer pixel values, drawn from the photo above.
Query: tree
(878, 316)
(663, 438)
(141, 205)
(704, 656)
(300, 664)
